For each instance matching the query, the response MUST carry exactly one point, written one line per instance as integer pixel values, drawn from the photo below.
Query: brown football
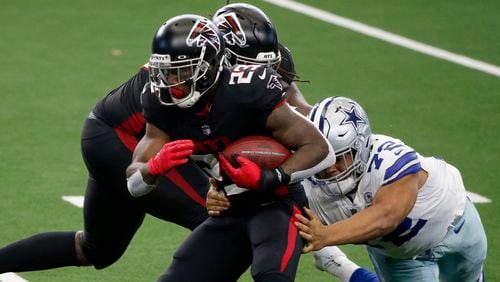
(265, 151)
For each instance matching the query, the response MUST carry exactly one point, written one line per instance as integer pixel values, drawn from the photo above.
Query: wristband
(136, 185)
(272, 178)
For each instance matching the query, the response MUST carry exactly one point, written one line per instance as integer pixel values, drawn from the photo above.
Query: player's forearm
(139, 181)
(305, 157)
(143, 168)
(391, 205)
(365, 225)
(309, 159)
(312, 151)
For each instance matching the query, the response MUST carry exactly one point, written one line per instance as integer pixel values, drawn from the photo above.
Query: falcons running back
(109, 136)
(438, 233)
(198, 106)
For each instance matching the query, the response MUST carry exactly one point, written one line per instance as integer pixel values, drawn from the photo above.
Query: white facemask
(347, 185)
(339, 188)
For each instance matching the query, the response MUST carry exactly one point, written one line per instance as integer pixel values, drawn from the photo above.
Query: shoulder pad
(257, 75)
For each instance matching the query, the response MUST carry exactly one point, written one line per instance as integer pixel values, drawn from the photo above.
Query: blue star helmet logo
(351, 117)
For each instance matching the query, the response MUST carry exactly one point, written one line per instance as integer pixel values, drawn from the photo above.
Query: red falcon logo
(201, 34)
(231, 28)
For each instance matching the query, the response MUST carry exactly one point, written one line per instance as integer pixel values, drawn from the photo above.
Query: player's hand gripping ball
(254, 163)
(264, 151)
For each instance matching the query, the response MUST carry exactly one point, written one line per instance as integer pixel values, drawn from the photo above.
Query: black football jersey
(243, 99)
(121, 108)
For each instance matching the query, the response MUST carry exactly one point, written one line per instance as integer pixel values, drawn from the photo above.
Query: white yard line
(78, 200)
(11, 277)
(478, 199)
(74, 200)
(387, 36)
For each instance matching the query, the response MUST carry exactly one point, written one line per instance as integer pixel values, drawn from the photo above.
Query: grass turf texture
(57, 61)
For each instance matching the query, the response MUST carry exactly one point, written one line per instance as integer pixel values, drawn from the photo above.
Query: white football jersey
(439, 201)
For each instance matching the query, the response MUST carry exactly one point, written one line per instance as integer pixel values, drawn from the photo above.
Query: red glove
(250, 176)
(245, 176)
(171, 154)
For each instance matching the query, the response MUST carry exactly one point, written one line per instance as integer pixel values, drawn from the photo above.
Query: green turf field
(57, 58)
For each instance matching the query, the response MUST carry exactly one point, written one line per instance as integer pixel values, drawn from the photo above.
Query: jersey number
(387, 146)
(404, 232)
(242, 74)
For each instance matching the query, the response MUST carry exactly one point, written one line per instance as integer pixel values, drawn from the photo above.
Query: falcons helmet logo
(202, 34)
(231, 28)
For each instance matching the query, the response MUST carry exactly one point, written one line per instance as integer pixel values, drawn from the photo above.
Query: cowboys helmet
(251, 38)
(345, 124)
(186, 60)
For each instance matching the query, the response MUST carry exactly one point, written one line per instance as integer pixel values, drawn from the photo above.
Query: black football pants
(222, 248)
(111, 214)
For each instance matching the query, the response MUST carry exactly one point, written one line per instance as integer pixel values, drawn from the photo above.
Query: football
(265, 151)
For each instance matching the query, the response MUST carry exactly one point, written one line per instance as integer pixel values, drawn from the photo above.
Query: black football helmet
(188, 53)
(251, 38)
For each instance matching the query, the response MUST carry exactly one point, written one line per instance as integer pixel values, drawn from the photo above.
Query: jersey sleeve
(393, 160)
(152, 109)
(269, 93)
(122, 102)
(256, 89)
(287, 67)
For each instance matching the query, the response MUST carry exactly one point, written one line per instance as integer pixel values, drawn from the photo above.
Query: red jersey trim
(127, 139)
(280, 103)
(179, 181)
(292, 239)
(130, 127)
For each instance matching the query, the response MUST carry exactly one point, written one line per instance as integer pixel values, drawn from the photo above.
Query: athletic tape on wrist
(136, 185)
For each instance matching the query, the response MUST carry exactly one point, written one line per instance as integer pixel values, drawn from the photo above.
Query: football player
(245, 27)
(198, 106)
(411, 211)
